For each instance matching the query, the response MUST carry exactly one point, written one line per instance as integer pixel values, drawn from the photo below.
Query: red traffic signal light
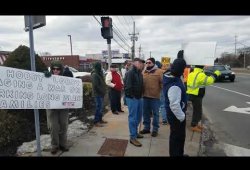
(106, 22)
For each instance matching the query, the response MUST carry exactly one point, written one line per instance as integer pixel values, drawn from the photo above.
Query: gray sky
(162, 35)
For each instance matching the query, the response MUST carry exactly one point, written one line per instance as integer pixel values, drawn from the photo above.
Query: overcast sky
(162, 35)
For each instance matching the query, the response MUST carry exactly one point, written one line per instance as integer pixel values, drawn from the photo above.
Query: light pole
(70, 44)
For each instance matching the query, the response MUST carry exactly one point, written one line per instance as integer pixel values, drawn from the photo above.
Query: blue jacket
(175, 98)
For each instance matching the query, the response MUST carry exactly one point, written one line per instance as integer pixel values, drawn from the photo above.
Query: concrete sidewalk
(117, 127)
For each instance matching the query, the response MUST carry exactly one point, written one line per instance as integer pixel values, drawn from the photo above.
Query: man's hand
(47, 74)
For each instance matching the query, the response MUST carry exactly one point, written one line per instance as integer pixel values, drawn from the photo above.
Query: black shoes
(103, 122)
(54, 150)
(139, 136)
(115, 113)
(121, 111)
(144, 131)
(64, 149)
(154, 134)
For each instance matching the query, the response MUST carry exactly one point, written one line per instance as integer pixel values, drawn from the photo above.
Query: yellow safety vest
(196, 80)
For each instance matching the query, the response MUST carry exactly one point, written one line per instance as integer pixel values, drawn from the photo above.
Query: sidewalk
(117, 127)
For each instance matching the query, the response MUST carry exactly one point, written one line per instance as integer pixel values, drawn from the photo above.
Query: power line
(122, 24)
(126, 22)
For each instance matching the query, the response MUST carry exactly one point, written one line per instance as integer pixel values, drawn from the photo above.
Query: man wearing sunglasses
(57, 119)
(152, 85)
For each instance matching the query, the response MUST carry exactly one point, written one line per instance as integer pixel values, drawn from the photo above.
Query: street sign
(245, 110)
(38, 21)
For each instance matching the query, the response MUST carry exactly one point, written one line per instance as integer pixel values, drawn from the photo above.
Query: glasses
(56, 69)
(148, 62)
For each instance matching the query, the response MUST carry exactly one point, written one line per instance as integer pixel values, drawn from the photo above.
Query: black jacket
(133, 83)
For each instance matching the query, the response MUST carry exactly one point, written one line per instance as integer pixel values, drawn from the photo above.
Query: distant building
(70, 60)
(3, 56)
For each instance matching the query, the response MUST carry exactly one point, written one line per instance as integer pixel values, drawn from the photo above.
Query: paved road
(230, 127)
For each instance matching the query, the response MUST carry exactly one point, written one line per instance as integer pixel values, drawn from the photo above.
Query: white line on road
(232, 150)
(231, 91)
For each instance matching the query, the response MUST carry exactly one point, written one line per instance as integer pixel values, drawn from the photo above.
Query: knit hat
(56, 63)
(180, 54)
(152, 60)
(159, 65)
(178, 67)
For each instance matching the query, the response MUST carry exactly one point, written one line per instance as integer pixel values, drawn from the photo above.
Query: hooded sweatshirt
(175, 95)
(98, 83)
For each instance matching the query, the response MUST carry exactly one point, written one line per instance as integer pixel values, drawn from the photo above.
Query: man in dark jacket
(67, 72)
(99, 90)
(176, 105)
(133, 91)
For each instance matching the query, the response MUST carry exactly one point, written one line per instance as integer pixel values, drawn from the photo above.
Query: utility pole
(140, 51)
(235, 44)
(133, 39)
(70, 44)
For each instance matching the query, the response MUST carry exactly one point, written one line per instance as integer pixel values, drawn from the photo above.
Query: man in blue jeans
(133, 85)
(99, 90)
(152, 85)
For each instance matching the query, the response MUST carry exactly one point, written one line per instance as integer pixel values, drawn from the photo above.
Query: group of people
(148, 91)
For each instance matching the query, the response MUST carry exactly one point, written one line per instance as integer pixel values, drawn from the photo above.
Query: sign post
(33, 68)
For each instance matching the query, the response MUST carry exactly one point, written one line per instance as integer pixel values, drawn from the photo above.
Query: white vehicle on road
(76, 73)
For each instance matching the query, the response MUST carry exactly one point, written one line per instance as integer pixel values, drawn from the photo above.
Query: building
(70, 60)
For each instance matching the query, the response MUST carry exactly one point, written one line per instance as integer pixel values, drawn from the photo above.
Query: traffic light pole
(109, 52)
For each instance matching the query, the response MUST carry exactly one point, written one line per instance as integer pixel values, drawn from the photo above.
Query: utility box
(38, 21)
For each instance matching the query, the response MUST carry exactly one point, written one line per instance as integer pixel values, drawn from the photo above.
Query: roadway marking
(231, 91)
(232, 150)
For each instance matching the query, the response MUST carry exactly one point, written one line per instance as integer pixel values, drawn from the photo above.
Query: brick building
(69, 60)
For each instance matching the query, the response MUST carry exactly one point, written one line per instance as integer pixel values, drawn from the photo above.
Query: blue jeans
(134, 116)
(162, 108)
(151, 105)
(98, 108)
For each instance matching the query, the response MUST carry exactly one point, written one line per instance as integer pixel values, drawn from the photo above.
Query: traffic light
(107, 30)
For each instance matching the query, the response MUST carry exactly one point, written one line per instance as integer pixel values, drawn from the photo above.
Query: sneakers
(196, 129)
(139, 136)
(135, 142)
(103, 122)
(121, 111)
(64, 149)
(54, 150)
(98, 124)
(154, 134)
(144, 131)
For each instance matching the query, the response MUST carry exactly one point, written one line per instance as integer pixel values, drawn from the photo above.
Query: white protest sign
(199, 53)
(22, 89)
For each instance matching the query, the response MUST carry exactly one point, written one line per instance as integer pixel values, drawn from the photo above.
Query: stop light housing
(107, 30)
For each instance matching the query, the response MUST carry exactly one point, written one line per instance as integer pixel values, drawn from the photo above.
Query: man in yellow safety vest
(196, 82)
